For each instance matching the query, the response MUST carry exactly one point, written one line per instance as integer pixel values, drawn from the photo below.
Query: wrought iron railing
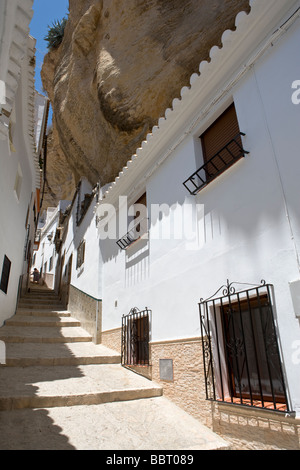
(225, 158)
(139, 230)
(242, 361)
(136, 337)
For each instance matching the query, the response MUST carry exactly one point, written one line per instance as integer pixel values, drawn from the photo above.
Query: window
(51, 264)
(5, 274)
(80, 254)
(137, 223)
(18, 183)
(222, 147)
(240, 349)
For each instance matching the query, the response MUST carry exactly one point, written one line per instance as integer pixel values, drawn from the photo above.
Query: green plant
(56, 33)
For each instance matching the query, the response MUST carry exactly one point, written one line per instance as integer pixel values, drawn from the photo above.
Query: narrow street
(59, 390)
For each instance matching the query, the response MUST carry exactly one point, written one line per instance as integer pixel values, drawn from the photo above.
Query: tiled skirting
(244, 428)
(112, 339)
(178, 367)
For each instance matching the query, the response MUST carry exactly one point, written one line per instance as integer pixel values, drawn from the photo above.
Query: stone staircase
(52, 365)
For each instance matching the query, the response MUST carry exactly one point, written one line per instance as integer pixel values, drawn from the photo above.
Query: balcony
(215, 166)
(137, 232)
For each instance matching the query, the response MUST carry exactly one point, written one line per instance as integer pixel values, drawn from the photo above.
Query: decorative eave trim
(31, 111)
(254, 33)
(17, 46)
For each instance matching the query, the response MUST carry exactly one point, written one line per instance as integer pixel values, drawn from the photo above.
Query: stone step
(34, 299)
(43, 312)
(37, 302)
(44, 306)
(38, 334)
(47, 387)
(44, 321)
(41, 295)
(41, 354)
(40, 302)
(153, 424)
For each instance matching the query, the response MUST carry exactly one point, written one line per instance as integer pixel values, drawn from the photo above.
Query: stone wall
(112, 339)
(87, 310)
(255, 429)
(187, 389)
(48, 280)
(243, 428)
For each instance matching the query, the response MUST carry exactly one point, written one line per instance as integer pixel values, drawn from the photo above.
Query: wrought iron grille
(139, 230)
(242, 362)
(225, 158)
(135, 337)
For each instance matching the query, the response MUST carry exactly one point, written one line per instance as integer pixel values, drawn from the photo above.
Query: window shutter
(217, 136)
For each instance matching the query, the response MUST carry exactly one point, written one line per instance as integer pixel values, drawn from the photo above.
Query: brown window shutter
(142, 200)
(218, 136)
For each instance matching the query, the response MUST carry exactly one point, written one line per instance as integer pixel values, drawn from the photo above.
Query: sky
(45, 13)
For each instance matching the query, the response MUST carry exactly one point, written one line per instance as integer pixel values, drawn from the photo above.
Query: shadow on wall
(26, 423)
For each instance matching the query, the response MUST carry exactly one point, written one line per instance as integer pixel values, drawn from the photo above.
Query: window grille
(242, 362)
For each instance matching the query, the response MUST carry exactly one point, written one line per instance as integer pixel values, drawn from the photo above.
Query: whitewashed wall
(47, 249)
(87, 278)
(248, 230)
(13, 209)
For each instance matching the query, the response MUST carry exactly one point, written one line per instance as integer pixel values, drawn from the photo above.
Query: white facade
(86, 275)
(20, 173)
(46, 257)
(247, 223)
(243, 227)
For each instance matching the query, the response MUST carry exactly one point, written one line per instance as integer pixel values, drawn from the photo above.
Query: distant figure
(36, 275)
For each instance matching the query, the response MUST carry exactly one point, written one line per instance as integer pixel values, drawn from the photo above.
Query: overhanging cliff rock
(119, 67)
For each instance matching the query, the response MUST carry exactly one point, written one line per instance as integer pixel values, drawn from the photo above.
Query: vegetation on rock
(56, 33)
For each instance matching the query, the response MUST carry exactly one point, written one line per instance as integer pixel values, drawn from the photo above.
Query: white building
(45, 257)
(20, 176)
(219, 177)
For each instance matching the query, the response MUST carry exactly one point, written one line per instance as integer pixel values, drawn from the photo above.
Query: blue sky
(45, 13)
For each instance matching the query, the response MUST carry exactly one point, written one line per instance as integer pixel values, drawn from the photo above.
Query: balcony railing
(139, 230)
(225, 158)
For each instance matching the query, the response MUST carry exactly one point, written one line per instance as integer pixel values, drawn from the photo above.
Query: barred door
(135, 337)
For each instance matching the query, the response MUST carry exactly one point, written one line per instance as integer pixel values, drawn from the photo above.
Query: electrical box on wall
(295, 293)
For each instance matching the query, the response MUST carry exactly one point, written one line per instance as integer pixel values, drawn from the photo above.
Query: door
(135, 338)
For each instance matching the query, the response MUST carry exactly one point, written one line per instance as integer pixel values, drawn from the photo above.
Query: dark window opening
(5, 274)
